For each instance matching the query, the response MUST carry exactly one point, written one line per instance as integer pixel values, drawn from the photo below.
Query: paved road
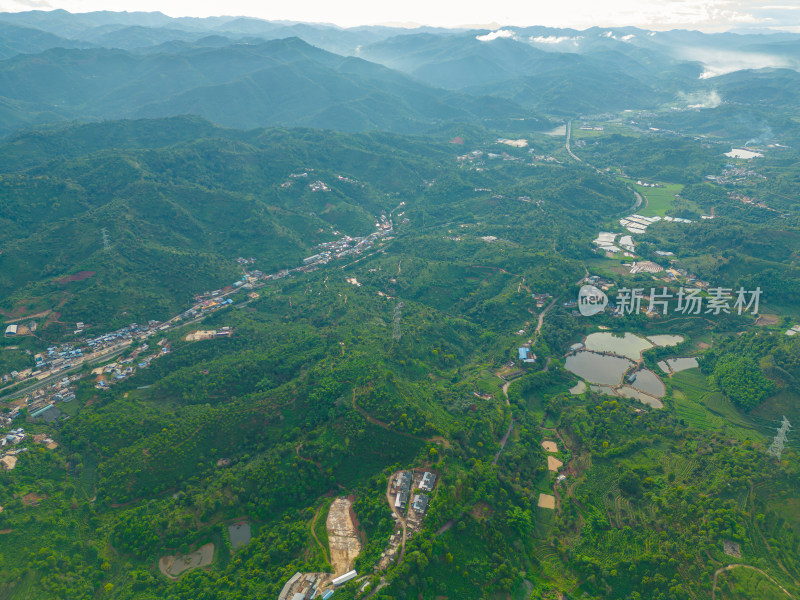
(111, 353)
(541, 317)
(569, 135)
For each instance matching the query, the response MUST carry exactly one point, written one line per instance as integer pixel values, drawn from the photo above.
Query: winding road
(731, 567)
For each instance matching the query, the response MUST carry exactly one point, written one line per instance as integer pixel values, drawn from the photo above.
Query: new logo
(591, 300)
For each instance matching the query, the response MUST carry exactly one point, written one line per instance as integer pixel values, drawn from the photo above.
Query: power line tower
(106, 243)
(398, 314)
(776, 448)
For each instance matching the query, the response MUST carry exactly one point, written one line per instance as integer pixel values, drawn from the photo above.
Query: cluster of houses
(115, 372)
(15, 436)
(541, 299)
(736, 175)
(42, 402)
(319, 186)
(343, 247)
(8, 460)
(402, 486)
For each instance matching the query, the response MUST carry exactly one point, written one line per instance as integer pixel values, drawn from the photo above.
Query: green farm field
(657, 200)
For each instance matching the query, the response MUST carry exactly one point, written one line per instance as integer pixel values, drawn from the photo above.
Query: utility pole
(776, 448)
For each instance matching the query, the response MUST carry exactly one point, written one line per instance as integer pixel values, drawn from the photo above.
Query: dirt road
(400, 519)
(314, 534)
(731, 567)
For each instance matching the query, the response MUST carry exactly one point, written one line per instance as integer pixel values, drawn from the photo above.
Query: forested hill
(180, 200)
(274, 82)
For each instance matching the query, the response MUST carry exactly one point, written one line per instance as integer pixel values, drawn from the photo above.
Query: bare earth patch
(732, 548)
(32, 499)
(547, 501)
(765, 320)
(174, 566)
(342, 536)
(553, 464)
(8, 462)
(550, 446)
(80, 276)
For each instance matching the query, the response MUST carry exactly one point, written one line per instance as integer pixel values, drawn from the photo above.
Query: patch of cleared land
(553, 463)
(550, 446)
(561, 130)
(578, 388)
(547, 501)
(521, 143)
(342, 536)
(196, 336)
(174, 566)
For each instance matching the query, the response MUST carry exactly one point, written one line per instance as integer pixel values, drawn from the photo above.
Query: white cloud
(500, 33)
(551, 39)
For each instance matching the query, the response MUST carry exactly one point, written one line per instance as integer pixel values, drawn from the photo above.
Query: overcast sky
(706, 15)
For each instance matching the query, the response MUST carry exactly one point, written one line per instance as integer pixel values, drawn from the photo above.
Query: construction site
(408, 494)
(344, 544)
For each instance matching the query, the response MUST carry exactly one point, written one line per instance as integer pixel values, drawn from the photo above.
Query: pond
(678, 364)
(629, 392)
(240, 534)
(648, 382)
(598, 368)
(666, 339)
(603, 389)
(629, 344)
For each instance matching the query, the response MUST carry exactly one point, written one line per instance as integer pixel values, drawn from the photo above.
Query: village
(70, 356)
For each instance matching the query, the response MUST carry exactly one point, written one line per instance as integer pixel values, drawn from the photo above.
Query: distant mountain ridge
(276, 82)
(245, 72)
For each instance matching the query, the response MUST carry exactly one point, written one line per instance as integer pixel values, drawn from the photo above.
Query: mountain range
(250, 73)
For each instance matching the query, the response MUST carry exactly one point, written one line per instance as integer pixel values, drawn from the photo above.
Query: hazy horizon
(703, 15)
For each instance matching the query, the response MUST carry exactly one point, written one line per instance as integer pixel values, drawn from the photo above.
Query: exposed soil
(174, 566)
(547, 501)
(32, 499)
(550, 446)
(343, 538)
(79, 276)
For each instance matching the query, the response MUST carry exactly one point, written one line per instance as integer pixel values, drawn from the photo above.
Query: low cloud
(500, 33)
(700, 99)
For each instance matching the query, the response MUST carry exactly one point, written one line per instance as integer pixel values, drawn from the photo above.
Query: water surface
(240, 534)
(598, 368)
(666, 339)
(648, 382)
(629, 344)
